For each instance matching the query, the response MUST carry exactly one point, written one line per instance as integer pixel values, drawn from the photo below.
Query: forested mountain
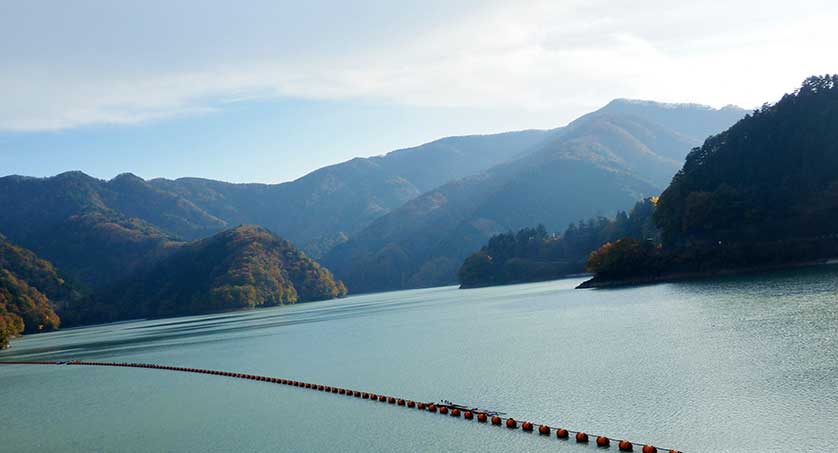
(244, 267)
(325, 206)
(763, 192)
(594, 167)
(97, 232)
(773, 175)
(413, 214)
(531, 254)
(30, 291)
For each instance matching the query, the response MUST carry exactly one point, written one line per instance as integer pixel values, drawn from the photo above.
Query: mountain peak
(126, 177)
(622, 103)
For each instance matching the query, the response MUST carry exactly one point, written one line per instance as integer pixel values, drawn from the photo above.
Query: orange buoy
(455, 412)
(334, 389)
(649, 449)
(342, 392)
(511, 423)
(401, 403)
(602, 441)
(391, 400)
(366, 396)
(625, 445)
(495, 420)
(674, 451)
(526, 426)
(411, 404)
(421, 406)
(431, 407)
(356, 394)
(481, 417)
(443, 410)
(562, 433)
(544, 430)
(468, 415)
(382, 398)
(321, 388)
(581, 437)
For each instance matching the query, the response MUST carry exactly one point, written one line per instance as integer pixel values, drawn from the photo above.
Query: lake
(746, 363)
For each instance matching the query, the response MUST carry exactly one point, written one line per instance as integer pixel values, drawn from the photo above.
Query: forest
(762, 193)
(533, 254)
(30, 289)
(245, 267)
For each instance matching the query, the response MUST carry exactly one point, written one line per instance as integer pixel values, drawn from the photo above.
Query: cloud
(107, 63)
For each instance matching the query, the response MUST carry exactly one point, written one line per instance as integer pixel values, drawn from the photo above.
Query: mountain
(595, 166)
(244, 267)
(325, 206)
(98, 232)
(30, 291)
(770, 176)
(762, 193)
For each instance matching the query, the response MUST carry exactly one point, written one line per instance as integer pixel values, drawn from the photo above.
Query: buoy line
(453, 410)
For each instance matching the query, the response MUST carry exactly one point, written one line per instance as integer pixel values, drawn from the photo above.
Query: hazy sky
(269, 90)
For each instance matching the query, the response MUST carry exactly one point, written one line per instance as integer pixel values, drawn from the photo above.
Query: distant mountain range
(405, 219)
(326, 206)
(598, 164)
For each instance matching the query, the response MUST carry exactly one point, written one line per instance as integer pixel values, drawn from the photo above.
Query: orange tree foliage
(245, 267)
(29, 288)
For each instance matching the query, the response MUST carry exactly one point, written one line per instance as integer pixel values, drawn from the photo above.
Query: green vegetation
(597, 165)
(532, 254)
(762, 193)
(241, 268)
(245, 267)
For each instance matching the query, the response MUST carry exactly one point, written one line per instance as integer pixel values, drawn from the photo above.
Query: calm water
(737, 364)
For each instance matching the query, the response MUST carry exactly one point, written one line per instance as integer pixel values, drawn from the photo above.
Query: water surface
(746, 363)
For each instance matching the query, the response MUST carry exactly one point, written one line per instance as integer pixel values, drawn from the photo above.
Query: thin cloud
(112, 66)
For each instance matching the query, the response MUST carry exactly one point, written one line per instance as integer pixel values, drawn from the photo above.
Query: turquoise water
(737, 364)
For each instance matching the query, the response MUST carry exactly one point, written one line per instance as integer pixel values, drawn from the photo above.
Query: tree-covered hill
(773, 175)
(531, 254)
(245, 267)
(30, 291)
(762, 193)
(97, 232)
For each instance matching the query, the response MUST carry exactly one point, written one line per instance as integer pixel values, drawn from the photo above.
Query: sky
(267, 91)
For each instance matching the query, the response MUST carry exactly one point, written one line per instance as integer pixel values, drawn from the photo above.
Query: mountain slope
(245, 267)
(30, 291)
(598, 164)
(762, 193)
(98, 232)
(326, 205)
(771, 175)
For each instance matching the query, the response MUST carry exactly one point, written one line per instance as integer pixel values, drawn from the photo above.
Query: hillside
(531, 254)
(325, 206)
(245, 267)
(762, 193)
(30, 291)
(97, 232)
(597, 165)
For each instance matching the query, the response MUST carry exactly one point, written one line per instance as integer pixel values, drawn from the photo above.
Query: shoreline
(593, 283)
(521, 282)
